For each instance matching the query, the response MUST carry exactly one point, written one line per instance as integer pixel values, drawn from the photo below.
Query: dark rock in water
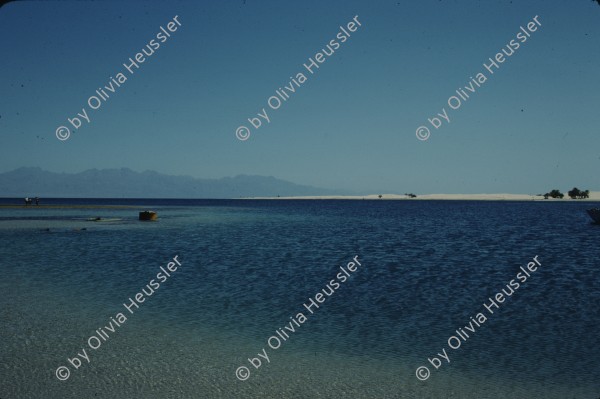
(594, 214)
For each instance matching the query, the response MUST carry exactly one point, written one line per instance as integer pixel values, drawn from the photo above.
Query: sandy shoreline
(594, 196)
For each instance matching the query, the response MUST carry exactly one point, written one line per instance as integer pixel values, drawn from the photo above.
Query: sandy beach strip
(594, 196)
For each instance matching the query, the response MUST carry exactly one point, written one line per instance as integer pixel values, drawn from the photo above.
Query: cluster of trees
(575, 193)
(554, 194)
(578, 194)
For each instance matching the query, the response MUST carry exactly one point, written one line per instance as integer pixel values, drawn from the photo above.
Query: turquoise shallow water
(247, 266)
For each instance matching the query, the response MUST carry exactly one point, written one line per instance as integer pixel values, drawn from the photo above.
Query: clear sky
(532, 126)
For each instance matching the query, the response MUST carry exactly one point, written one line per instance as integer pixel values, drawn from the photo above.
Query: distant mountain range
(126, 183)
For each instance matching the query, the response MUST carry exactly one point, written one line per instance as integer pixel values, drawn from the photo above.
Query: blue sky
(531, 127)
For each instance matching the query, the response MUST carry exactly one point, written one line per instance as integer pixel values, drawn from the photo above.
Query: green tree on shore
(554, 194)
(578, 194)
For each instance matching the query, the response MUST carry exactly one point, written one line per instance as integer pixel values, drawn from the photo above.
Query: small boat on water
(148, 215)
(594, 214)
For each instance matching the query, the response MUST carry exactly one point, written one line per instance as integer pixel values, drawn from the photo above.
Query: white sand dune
(594, 196)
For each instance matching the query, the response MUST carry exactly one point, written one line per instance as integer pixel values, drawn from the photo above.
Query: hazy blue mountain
(125, 183)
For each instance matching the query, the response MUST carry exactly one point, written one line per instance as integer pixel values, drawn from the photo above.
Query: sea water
(247, 269)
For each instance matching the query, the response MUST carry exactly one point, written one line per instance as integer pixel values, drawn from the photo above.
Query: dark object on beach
(594, 214)
(37, 201)
(148, 215)
(28, 201)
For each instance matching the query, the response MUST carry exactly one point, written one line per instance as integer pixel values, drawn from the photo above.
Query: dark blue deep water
(427, 267)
